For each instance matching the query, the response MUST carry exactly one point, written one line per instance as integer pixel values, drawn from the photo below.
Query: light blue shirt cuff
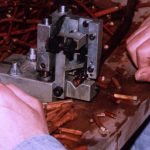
(42, 142)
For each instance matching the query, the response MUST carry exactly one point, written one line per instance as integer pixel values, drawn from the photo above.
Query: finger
(143, 54)
(29, 100)
(141, 29)
(136, 42)
(143, 74)
(10, 100)
(146, 22)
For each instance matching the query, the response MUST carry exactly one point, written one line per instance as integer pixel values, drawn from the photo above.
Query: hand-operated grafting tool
(65, 62)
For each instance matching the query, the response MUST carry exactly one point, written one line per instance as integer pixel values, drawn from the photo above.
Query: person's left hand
(21, 117)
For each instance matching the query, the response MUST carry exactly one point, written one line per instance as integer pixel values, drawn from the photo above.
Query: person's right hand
(138, 45)
(21, 117)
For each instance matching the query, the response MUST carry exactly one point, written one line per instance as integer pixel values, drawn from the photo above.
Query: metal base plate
(29, 82)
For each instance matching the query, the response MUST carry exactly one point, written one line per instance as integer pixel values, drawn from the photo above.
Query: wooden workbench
(129, 115)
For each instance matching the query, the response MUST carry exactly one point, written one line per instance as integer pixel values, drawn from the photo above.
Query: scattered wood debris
(116, 83)
(125, 97)
(58, 114)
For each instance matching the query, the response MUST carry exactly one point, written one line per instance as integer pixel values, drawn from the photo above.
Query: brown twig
(66, 137)
(54, 105)
(18, 32)
(21, 43)
(64, 109)
(69, 116)
(125, 97)
(107, 11)
(50, 115)
(71, 131)
(85, 8)
(116, 83)
(110, 114)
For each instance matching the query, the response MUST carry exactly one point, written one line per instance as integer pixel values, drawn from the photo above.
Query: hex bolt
(91, 37)
(15, 69)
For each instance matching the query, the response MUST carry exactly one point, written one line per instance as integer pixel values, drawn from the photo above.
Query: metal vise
(65, 62)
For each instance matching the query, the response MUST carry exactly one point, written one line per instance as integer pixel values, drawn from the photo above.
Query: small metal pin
(31, 55)
(15, 69)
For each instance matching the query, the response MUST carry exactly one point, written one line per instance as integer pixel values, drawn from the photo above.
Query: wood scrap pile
(59, 114)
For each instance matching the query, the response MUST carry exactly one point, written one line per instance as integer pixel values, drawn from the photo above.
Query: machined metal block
(85, 91)
(41, 90)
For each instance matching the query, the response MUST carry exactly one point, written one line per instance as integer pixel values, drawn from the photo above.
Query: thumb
(143, 74)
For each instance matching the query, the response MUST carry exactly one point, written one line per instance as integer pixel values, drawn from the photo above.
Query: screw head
(97, 88)
(58, 91)
(90, 69)
(85, 24)
(42, 66)
(91, 37)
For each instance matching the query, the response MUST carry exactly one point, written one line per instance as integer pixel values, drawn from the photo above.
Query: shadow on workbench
(135, 136)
